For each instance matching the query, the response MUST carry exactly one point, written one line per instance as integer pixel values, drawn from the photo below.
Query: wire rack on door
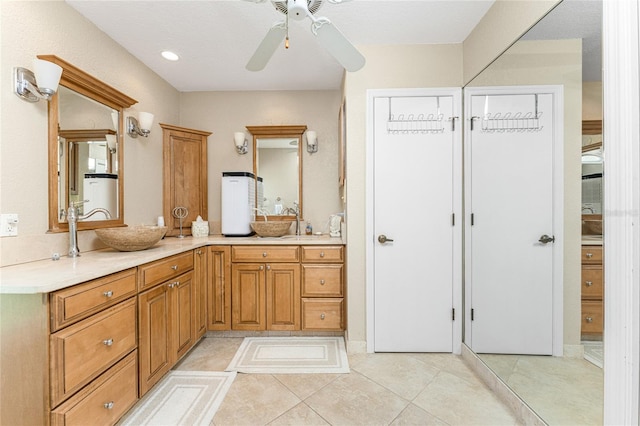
(509, 121)
(416, 122)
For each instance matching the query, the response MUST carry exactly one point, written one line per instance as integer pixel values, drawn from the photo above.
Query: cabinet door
(153, 344)
(219, 288)
(247, 304)
(283, 296)
(182, 315)
(200, 278)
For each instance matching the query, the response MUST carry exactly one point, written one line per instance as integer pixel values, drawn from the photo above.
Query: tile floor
(382, 389)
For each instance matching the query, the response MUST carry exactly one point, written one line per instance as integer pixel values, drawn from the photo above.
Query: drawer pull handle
(322, 316)
(264, 254)
(108, 405)
(589, 255)
(174, 267)
(589, 319)
(321, 282)
(321, 254)
(107, 342)
(589, 283)
(108, 293)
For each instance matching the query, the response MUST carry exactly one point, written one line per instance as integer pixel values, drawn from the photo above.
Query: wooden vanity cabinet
(200, 272)
(592, 292)
(265, 284)
(323, 288)
(166, 317)
(92, 350)
(219, 288)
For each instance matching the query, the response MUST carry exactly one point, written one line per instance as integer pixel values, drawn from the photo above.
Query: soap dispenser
(309, 229)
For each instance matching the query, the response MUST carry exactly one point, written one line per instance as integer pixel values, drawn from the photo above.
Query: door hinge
(471, 314)
(453, 219)
(453, 314)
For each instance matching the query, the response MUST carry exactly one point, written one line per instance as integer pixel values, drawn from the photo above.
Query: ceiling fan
(327, 34)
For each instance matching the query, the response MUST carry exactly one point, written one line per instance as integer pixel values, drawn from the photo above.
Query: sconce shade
(240, 140)
(312, 141)
(146, 121)
(47, 76)
(111, 142)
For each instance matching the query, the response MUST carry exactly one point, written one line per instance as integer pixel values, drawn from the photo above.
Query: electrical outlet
(8, 225)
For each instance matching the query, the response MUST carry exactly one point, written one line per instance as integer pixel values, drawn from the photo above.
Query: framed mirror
(592, 172)
(277, 165)
(85, 149)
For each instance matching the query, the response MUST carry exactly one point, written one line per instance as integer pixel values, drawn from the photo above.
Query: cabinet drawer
(82, 351)
(78, 302)
(322, 314)
(592, 317)
(592, 255)
(592, 282)
(321, 280)
(105, 400)
(265, 254)
(163, 270)
(322, 254)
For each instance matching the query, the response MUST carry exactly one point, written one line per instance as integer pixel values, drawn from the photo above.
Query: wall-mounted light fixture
(312, 141)
(241, 142)
(111, 142)
(141, 126)
(41, 83)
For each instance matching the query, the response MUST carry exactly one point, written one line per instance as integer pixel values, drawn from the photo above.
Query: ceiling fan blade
(267, 47)
(337, 44)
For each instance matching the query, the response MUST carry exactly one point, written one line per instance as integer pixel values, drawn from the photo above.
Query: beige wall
(537, 63)
(224, 113)
(23, 145)
(592, 100)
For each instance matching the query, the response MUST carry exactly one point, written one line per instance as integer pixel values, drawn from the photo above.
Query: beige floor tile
(353, 399)
(450, 363)
(459, 402)
(413, 415)
(301, 414)
(304, 385)
(211, 354)
(404, 375)
(254, 399)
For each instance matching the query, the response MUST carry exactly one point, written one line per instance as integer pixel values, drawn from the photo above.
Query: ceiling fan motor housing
(297, 9)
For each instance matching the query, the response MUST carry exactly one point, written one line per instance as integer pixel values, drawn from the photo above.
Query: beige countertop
(45, 276)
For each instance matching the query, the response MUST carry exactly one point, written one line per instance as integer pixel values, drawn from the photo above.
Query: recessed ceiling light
(170, 56)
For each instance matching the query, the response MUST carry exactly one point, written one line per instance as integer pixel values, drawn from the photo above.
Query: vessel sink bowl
(131, 238)
(276, 228)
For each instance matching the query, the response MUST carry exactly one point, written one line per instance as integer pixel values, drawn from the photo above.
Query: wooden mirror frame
(272, 132)
(591, 127)
(77, 80)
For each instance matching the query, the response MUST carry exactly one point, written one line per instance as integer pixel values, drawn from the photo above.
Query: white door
(510, 228)
(413, 206)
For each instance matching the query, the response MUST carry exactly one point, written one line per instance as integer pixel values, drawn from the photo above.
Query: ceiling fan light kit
(322, 28)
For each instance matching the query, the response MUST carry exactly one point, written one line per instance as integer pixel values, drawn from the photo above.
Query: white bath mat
(182, 398)
(290, 355)
(594, 353)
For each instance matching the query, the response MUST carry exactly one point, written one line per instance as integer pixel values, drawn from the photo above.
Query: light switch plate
(8, 225)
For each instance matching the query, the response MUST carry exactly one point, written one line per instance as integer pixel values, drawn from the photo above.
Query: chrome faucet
(296, 211)
(73, 217)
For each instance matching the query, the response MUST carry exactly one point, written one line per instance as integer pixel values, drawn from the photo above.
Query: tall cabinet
(184, 176)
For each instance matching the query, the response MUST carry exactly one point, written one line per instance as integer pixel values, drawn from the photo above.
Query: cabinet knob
(108, 405)
(174, 267)
(108, 293)
(199, 252)
(173, 284)
(264, 254)
(107, 342)
(322, 316)
(589, 255)
(589, 283)
(261, 267)
(321, 254)
(589, 319)
(321, 282)
(268, 267)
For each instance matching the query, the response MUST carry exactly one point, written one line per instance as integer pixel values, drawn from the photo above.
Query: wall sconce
(42, 83)
(111, 142)
(312, 141)
(241, 142)
(141, 126)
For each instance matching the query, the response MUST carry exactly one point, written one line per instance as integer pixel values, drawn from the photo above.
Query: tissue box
(200, 229)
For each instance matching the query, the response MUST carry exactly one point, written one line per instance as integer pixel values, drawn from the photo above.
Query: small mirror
(592, 167)
(85, 151)
(277, 164)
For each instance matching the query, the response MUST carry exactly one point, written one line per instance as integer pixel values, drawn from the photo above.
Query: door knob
(546, 239)
(383, 239)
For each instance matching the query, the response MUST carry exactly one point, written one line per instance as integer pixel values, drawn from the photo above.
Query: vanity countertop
(45, 276)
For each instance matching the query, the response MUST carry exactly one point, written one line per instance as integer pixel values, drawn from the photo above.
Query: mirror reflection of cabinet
(277, 161)
(85, 110)
(592, 167)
